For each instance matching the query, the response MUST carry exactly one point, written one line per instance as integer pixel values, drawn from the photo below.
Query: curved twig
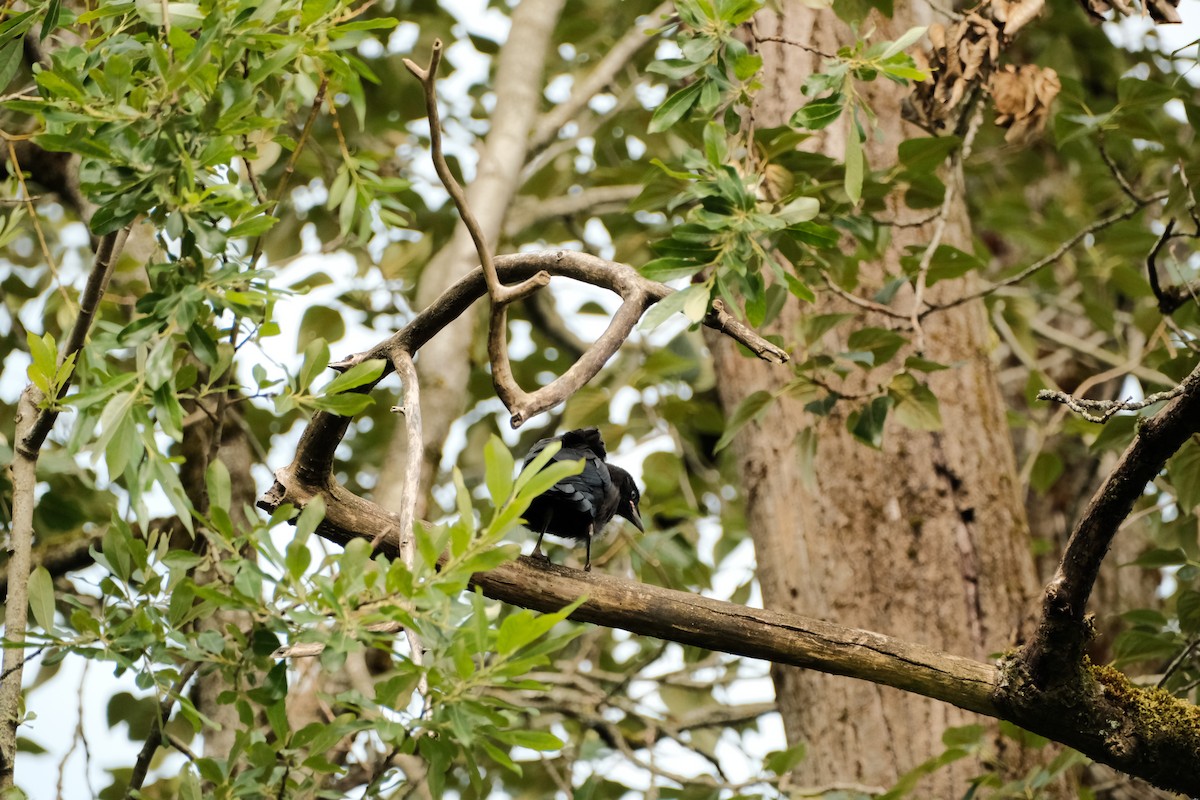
(499, 292)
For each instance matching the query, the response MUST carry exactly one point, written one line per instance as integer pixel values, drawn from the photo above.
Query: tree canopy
(292, 287)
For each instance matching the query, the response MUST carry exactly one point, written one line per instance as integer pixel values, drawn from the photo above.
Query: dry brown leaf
(1022, 96)
(1161, 11)
(1015, 13)
(961, 56)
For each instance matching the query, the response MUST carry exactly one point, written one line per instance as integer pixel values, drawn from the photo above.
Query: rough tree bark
(925, 539)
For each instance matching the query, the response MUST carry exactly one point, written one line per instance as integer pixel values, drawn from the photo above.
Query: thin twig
(1165, 305)
(1190, 202)
(155, 737)
(1178, 660)
(794, 43)
(1084, 407)
(953, 180)
(1118, 216)
(1116, 172)
(28, 200)
(89, 302)
(603, 74)
(32, 425)
(861, 302)
(499, 293)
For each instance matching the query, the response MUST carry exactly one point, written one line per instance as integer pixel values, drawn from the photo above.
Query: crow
(580, 506)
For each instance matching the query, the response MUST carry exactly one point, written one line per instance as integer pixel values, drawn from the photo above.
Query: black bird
(580, 506)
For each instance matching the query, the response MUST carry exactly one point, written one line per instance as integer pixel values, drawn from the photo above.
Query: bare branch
(33, 424)
(637, 292)
(589, 201)
(1126, 213)
(290, 167)
(499, 293)
(1083, 719)
(155, 737)
(89, 302)
(953, 181)
(862, 302)
(1119, 176)
(1062, 633)
(1107, 408)
(406, 546)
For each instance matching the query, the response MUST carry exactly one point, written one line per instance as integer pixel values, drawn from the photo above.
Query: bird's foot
(587, 567)
(539, 555)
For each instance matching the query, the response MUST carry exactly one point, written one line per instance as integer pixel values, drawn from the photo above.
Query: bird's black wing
(571, 507)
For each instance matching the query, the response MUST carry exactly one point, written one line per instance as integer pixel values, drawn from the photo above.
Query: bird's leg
(587, 566)
(537, 547)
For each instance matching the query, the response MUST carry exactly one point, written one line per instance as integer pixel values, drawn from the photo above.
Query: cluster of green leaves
(733, 234)
(739, 212)
(834, 92)
(134, 96)
(147, 620)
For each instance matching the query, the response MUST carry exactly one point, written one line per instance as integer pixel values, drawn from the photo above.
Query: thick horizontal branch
(718, 625)
(1145, 732)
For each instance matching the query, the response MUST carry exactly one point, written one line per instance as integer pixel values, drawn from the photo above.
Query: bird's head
(627, 505)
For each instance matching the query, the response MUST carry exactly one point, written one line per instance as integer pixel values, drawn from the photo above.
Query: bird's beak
(635, 517)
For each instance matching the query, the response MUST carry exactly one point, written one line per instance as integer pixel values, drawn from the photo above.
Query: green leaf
(499, 465)
(916, 405)
(10, 62)
(310, 517)
(320, 322)
(907, 39)
(254, 226)
(44, 365)
(670, 268)
(344, 405)
(781, 762)
(854, 166)
(184, 16)
(880, 342)
(359, 375)
(801, 209)
(1188, 609)
(220, 490)
(695, 305)
(1183, 469)
(672, 303)
(53, 10)
(716, 148)
(746, 66)
(867, 423)
(926, 154)
(1047, 468)
(820, 113)
(752, 407)
(675, 107)
(534, 740)
(41, 598)
(1157, 558)
(1136, 93)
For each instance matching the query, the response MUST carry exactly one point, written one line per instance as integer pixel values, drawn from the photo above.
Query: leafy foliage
(230, 130)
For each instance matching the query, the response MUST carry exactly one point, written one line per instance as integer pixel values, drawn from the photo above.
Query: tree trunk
(924, 539)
